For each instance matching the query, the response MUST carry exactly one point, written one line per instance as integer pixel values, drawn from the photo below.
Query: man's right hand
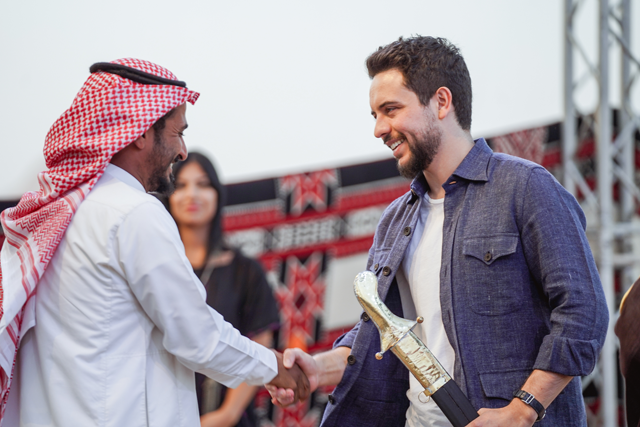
(283, 396)
(323, 369)
(290, 378)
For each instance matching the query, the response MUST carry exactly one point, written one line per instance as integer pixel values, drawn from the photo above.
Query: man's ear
(444, 101)
(144, 139)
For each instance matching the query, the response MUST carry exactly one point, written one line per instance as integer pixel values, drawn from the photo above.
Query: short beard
(423, 151)
(164, 186)
(159, 182)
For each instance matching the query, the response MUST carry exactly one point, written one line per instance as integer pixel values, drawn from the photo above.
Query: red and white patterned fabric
(309, 189)
(108, 113)
(526, 144)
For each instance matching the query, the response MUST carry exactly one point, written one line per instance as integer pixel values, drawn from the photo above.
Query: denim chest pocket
(492, 278)
(488, 249)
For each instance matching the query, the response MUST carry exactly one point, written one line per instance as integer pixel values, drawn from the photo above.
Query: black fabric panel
(360, 174)
(7, 204)
(251, 192)
(553, 132)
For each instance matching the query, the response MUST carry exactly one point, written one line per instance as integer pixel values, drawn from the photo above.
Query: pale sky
(283, 83)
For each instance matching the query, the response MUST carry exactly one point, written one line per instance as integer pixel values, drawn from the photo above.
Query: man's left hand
(544, 385)
(516, 414)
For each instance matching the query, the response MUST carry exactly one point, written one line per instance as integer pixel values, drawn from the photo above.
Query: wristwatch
(530, 400)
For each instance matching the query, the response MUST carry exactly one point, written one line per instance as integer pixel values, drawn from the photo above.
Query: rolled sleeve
(560, 259)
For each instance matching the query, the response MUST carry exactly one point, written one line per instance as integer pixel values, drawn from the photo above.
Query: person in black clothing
(236, 285)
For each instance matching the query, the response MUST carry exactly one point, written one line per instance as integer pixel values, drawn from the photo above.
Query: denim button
(351, 359)
(487, 256)
(331, 399)
(386, 271)
(365, 317)
(407, 231)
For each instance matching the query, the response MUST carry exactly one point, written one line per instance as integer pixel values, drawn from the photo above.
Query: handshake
(300, 374)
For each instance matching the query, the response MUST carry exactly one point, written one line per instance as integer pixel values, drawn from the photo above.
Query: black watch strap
(530, 400)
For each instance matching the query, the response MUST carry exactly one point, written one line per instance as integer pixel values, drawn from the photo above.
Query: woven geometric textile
(526, 144)
(107, 114)
(312, 232)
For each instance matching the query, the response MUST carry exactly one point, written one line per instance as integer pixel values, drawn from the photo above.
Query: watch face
(525, 397)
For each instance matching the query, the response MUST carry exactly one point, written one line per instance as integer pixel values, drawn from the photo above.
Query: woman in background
(236, 285)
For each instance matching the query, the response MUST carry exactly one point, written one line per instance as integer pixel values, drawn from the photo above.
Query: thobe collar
(124, 176)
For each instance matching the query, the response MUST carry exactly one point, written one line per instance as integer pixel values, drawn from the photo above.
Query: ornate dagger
(396, 335)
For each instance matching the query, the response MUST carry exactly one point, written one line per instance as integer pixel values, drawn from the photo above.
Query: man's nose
(381, 128)
(182, 154)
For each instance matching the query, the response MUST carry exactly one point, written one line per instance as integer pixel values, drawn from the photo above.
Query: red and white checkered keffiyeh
(108, 113)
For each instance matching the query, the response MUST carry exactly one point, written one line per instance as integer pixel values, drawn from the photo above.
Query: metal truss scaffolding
(611, 205)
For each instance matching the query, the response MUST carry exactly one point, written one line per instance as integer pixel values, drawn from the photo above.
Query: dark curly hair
(428, 63)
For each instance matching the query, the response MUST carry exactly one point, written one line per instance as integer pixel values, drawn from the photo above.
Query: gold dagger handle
(396, 335)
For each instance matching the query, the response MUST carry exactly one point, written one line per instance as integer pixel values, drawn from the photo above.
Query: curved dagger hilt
(392, 328)
(396, 335)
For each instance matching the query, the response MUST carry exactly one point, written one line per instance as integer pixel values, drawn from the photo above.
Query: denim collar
(472, 168)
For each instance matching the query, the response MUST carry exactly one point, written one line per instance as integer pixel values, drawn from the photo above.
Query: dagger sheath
(421, 362)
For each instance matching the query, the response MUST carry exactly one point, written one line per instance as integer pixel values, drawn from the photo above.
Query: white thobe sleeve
(154, 263)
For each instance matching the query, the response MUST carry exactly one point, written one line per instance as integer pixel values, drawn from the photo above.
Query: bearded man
(102, 313)
(488, 248)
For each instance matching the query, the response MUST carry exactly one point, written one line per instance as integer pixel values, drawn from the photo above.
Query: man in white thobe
(119, 322)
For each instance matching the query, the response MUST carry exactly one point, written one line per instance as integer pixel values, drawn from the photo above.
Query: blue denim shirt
(519, 290)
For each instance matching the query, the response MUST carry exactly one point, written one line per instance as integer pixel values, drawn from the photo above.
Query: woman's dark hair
(215, 241)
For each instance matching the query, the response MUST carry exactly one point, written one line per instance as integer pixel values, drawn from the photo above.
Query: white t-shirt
(419, 284)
